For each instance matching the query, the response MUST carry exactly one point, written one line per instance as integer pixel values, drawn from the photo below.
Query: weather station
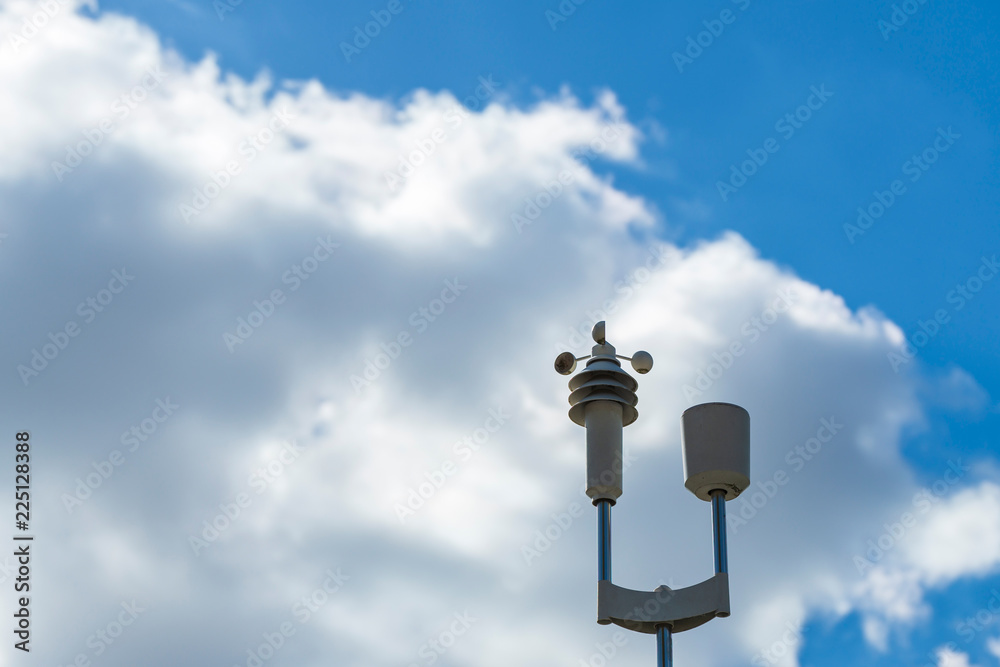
(715, 446)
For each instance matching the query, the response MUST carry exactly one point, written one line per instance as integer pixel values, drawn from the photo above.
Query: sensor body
(603, 420)
(716, 445)
(603, 400)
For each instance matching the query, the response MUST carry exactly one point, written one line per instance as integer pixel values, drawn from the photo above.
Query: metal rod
(664, 647)
(719, 529)
(604, 540)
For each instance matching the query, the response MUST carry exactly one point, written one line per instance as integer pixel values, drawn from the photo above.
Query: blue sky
(740, 141)
(893, 88)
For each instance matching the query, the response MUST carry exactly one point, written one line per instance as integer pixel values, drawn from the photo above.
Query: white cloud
(326, 155)
(957, 540)
(950, 658)
(945, 534)
(993, 646)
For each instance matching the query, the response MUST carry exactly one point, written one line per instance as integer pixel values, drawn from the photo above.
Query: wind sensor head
(603, 400)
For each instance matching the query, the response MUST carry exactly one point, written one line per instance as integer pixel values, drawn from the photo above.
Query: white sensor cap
(715, 440)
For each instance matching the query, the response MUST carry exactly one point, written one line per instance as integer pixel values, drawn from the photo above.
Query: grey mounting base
(680, 609)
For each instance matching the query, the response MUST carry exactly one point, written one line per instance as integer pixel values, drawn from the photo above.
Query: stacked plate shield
(603, 380)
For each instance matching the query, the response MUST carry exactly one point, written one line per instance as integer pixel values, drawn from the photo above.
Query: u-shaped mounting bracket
(715, 443)
(681, 609)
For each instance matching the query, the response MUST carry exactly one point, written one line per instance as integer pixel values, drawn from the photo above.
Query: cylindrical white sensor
(716, 444)
(603, 420)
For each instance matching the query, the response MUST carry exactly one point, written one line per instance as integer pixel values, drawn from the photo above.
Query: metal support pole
(604, 540)
(719, 529)
(664, 647)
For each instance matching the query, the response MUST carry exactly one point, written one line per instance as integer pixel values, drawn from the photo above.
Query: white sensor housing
(716, 444)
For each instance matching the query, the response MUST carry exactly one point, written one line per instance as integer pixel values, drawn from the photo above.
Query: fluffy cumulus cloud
(950, 658)
(993, 646)
(287, 353)
(946, 533)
